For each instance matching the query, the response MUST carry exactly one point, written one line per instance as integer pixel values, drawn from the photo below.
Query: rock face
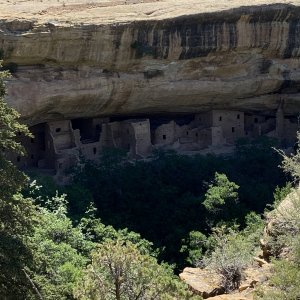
(202, 282)
(283, 220)
(193, 60)
(206, 282)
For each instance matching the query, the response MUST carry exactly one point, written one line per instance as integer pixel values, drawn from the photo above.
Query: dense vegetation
(164, 198)
(43, 255)
(106, 235)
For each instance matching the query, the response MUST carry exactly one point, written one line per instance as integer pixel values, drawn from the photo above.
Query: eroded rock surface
(202, 282)
(115, 58)
(206, 282)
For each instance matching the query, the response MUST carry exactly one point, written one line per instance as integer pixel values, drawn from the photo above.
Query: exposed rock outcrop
(281, 222)
(202, 282)
(150, 58)
(206, 282)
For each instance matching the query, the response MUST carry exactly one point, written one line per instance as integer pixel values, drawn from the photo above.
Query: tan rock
(202, 281)
(119, 57)
(232, 297)
(260, 261)
(244, 287)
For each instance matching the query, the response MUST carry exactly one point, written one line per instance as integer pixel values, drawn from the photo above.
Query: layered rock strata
(244, 59)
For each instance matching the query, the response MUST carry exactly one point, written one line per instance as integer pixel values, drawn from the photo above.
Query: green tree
(220, 193)
(197, 246)
(60, 251)
(16, 213)
(119, 271)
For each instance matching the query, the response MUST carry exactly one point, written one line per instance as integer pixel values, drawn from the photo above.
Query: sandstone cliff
(107, 58)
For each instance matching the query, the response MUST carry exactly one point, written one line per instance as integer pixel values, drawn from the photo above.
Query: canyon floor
(117, 11)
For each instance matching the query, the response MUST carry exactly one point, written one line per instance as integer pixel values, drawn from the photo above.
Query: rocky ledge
(156, 57)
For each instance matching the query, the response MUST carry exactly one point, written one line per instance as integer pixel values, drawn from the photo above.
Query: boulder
(202, 282)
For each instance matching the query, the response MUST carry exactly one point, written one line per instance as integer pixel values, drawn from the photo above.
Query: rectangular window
(220, 118)
(238, 116)
(164, 137)
(232, 129)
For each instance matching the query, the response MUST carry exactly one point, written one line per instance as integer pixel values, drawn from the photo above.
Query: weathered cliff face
(245, 59)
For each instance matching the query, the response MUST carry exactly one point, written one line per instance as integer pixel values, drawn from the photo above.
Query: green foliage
(154, 197)
(254, 228)
(280, 193)
(219, 193)
(95, 231)
(286, 277)
(285, 235)
(16, 212)
(291, 163)
(285, 280)
(196, 246)
(60, 251)
(232, 253)
(119, 271)
(286, 225)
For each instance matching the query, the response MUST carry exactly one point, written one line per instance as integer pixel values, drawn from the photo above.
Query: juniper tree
(16, 213)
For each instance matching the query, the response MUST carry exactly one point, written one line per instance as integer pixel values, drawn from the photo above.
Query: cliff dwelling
(139, 79)
(59, 145)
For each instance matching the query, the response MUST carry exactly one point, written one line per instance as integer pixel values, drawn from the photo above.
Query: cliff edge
(73, 59)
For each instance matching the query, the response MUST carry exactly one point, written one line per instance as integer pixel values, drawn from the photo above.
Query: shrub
(119, 271)
(232, 253)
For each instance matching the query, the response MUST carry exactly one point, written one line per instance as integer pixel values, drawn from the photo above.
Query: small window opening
(187, 133)
(196, 134)
(32, 140)
(164, 137)
(94, 150)
(255, 120)
(18, 159)
(57, 129)
(232, 129)
(220, 118)
(238, 116)
(32, 156)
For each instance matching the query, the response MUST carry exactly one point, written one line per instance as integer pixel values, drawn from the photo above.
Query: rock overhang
(181, 58)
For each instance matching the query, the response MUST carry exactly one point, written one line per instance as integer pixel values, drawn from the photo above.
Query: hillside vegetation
(123, 229)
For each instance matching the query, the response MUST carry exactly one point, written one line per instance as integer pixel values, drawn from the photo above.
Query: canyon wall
(243, 59)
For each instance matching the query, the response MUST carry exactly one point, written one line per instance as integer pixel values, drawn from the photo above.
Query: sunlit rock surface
(73, 60)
